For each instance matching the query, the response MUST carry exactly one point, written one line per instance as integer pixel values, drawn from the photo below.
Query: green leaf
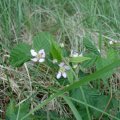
(70, 76)
(118, 115)
(17, 112)
(101, 63)
(23, 109)
(112, 55)
(90, 46)
(97, 109)
(91, 62)
(56, 51)
(20, 54)
(84, 94)
(10, 111)
(101, 103)
(78, 59)
(42, 41)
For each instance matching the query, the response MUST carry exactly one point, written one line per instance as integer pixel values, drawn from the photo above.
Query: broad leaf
(90, 46)
(91, 62)
(70, 76)
(10, 111)
(42, 41)
(101, 103)
(112, 55)
(20, 54)
(101, 63)
(56, 51)
(23, 109)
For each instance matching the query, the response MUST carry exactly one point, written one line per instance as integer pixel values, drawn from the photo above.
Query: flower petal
(67, 67)
(42, 52)
(33, 53)
(34, 59)
(61, 64)
(59, 75)
(64, 74)
(74, 53)
(41, 60)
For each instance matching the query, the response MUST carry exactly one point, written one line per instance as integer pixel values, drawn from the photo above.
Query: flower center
(39, 56)
(62, 69)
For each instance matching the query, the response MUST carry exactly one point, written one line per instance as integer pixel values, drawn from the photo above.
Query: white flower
(62, 70)
(38, 56)
(75, 54)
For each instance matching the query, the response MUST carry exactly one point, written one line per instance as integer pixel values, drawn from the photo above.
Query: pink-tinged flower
(38, 56)
(75, 54)
(62, 70)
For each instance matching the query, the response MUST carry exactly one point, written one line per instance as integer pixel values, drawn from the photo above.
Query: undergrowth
(82, 34)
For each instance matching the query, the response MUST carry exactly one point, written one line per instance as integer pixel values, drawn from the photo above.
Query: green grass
(82, 25)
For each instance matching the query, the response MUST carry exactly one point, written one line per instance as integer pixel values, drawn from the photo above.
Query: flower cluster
(63, 68)
(40, 57)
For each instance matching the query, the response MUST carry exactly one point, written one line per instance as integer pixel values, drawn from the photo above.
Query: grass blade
(73, 108)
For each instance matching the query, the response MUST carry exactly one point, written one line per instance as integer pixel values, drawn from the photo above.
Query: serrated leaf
(42, 41)
(56, 51)
(78, 59)
(70, 76)
(101, 63)
(118, 115)
(90, 46)
(101, 103)
(10, 111)
(91, 62)
(17, 112)
(20, 54)
(112, 54)
(23, 109)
